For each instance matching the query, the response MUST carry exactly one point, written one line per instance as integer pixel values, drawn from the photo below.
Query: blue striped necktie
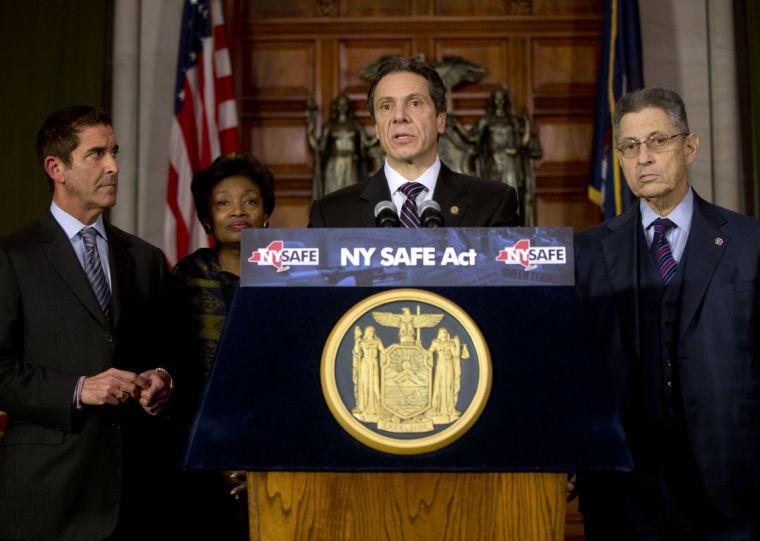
(409, 216)
(94, 270)
(663, 257)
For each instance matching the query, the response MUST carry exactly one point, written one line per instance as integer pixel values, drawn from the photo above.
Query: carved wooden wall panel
(473, 7)
(564, 66)
(567, 7)
(282, 142)
(357, 53)
(545, 52)
(490, 53)
(282, 68)
(374, 8)
(565, 140)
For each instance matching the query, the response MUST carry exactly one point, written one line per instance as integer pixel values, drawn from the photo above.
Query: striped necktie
(94, 270)
(663, 257)
(409, 216)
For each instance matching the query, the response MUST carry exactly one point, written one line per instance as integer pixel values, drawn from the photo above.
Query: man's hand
(236, 482)
(155, 394)
(572, 489)
(112, 387)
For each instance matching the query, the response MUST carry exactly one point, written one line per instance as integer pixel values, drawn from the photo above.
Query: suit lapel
(703, 253)
(62, 257)
(122, 271)
(619, 259)
(448, 193)
(376, 191)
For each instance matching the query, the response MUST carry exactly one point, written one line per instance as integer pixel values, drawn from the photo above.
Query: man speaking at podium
(407, 102)
(671, 291)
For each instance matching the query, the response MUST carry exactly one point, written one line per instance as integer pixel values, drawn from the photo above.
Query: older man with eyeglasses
(671, 291)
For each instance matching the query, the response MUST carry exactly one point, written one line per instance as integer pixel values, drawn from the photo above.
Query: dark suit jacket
(63, 472)
(476, 202)
(718, 337)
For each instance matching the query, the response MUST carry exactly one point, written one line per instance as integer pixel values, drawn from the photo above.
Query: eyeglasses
(655, 143)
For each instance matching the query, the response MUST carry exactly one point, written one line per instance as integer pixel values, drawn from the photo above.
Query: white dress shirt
(427, 179)
(681, 216)
(71, 226)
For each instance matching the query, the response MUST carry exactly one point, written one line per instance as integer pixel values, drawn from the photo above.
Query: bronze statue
(340, 153)
(506, 147)
(455, 70)
(457, 147)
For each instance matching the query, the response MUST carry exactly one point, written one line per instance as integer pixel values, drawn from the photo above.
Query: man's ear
(692, 145)
(54, 168)
(440, 122)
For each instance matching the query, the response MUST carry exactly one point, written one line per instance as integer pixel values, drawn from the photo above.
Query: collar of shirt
(427, 179)
(71, 226)
(681, 216)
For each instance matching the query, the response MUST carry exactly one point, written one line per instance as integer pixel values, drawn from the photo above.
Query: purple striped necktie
(663, 257)
(409, 216)
(94, 270)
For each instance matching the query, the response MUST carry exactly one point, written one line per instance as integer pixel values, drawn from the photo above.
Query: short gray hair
(661, 98)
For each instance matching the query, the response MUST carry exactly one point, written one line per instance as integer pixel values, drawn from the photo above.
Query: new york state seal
(406, 371)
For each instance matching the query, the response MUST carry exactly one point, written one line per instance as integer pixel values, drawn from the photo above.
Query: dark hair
(661, 98)
(59, 134)
(416, 65)
(241, 164)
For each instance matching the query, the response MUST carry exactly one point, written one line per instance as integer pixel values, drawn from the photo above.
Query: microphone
(430, 214)
(385, 215)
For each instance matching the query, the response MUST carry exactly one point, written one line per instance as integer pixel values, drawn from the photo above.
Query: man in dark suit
(671, 291)
(407, 102)
(82, 375)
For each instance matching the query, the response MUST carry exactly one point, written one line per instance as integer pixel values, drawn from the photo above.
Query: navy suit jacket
(718, 337)
(68, 474)
(465, 202)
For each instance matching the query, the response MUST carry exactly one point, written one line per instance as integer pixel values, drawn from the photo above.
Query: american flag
(205, 121)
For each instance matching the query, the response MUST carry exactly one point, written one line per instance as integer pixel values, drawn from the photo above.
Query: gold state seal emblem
(413, 395)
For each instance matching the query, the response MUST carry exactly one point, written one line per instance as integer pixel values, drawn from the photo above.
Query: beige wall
(688, 46)
(146, 41)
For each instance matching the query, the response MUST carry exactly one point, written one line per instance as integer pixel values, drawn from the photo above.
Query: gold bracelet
(168, 375)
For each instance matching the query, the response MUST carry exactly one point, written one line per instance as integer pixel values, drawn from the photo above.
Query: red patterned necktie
(660, 248)
(409, 216)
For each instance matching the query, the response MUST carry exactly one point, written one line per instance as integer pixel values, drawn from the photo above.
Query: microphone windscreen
(384, 205)
(386, 215)
(430, 214)
(430, 204)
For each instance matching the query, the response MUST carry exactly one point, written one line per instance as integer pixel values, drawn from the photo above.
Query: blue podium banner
(366, 257)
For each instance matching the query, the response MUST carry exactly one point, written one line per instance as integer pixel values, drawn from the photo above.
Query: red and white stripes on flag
(205, 121)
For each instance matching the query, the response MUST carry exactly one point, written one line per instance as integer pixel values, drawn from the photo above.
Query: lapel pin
(454, 210)
(719, 241)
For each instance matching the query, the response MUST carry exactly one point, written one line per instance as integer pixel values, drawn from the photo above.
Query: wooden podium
(265, 409)
(410, 506)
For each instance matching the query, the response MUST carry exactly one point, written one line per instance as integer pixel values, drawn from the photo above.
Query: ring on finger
(123, 395)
